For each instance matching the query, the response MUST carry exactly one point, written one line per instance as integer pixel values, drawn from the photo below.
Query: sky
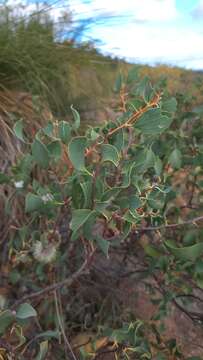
(146, 31)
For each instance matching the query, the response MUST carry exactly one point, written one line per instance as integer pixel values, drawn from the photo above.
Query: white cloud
(142, 10)
(197, 13)
(154, 43)
(155, 31)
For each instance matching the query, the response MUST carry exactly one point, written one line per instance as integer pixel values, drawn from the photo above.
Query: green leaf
(18, 130)
(6, 319)
(64, 131)
(101, 206)
(79, 218)
(126, 231)
(158, 166)
(118, 140)
(78, 199)
(127, 174)
(76, 117)
(110, 194)
(49, 334)
(160, 357)
(151, 251)
(169, 105)
(54, 149)
(110, 153)
(185, 253)
(4, 179)
(198, 109)
(87, 191)
(33, 202)
(76, 151)
(48, 130)
(131, 202)
(156, 199)
(132, 217)
(94, 135)
(153, 122)
(25, 311)
(175, 159)
(145, 89)
(148, 92)
(43, 350)
(199, 266)
(103, 245)
(150, 159)
(40, 154)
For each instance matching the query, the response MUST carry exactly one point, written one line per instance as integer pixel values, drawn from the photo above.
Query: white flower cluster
(19, 184)
(44, 253)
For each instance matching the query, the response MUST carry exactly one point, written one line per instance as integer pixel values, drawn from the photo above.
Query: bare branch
(56, 286)
(172, 226)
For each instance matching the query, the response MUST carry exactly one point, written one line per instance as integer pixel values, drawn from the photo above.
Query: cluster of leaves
(113, 182)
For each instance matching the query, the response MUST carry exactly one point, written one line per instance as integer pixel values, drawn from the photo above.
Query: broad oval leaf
(153, 122)
(76, 152)
(79, 218)
(87, 191)
(18, 130)
(169, 105)
(64, 131)
(6, 319)
(151, 251)
(110, 194)
(156, 199)
(110, 153)
(187, 252)
(175, 159)
(54, 149)
(158, 166)
(25, 311)
(48, 130)
(33, 203)
(103, 244)
(40, 154)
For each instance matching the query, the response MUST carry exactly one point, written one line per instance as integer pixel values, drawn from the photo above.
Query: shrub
(84, 195)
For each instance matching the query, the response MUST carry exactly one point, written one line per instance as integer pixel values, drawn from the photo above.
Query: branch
(56, 286)
(60, 322)
(137, 114)
(172, 226)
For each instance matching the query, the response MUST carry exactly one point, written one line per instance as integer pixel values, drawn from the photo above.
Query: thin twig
(136, 115)
(60, 322)
(56, 286)
(167, 226)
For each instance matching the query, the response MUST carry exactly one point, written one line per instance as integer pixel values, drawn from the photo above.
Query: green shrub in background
(108, 186)
(36, 56)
